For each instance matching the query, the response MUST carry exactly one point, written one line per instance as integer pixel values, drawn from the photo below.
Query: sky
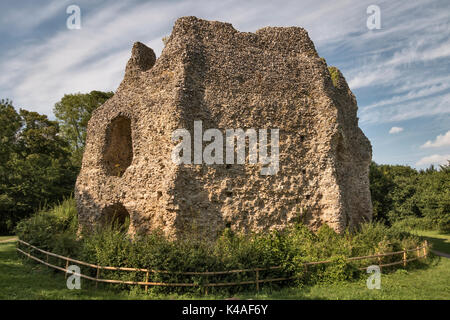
(399, 73)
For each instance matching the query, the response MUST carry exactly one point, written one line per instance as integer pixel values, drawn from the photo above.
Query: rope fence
(421, 252)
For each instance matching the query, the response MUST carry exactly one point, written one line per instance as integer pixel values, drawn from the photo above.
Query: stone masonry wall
(208, 71)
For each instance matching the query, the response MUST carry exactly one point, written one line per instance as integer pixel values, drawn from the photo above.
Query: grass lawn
(429, 283)
(4, 238)
(441, 242)
(28, 280)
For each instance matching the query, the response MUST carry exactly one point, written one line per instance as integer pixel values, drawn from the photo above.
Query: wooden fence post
(425, 247)
(257, 280)
(97, 276)
(418, 252)
(206, 287)
(47, 260)
(379, 263)
(67, 266)
(146, 280)
(404, 257)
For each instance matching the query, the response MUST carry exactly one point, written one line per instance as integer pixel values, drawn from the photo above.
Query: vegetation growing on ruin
(334, 73)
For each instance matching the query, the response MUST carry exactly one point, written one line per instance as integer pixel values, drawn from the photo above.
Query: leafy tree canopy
(36, 167)
(73, 113)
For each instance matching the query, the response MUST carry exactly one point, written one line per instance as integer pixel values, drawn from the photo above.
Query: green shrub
(56, 230)
(42, 228)
(441, 223)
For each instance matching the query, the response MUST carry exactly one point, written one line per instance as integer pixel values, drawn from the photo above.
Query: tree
(36, 167)
(445, 167)
(381, 186)
(10, 123)
(400, 192)
(40, 158)
(433, 197)
(393, 188)
(73, 113)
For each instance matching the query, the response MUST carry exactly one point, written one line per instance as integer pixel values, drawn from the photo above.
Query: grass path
(441, 242)
(27, 280)
(5, 239)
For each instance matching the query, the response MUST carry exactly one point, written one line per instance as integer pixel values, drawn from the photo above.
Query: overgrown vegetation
(55, 230)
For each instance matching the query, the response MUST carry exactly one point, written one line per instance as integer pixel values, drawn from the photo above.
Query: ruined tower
(209, 71)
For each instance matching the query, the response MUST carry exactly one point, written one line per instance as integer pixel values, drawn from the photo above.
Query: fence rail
(422, 252)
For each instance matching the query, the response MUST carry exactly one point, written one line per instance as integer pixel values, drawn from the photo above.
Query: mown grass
(26, 280)
(429, 283)
(5, 238)
(440, 241)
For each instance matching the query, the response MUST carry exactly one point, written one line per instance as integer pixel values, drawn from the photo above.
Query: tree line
(416, 198)
(40, 160)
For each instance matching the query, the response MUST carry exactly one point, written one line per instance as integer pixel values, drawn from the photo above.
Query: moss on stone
(334, 73)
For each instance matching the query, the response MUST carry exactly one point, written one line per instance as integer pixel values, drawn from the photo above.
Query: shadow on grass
(290, 293)
(439, 244)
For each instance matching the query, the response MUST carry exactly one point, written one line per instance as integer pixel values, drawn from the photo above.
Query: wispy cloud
(373, 75)
(423, 91)
(31, 15)
(400, 72)
(36, 74)
(405, 111)
(411, 66)
(81, 60)
(435, 159)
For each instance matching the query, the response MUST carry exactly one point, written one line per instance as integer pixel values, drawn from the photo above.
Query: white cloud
(413, 93)
(414, 109)
(372, 75)
(442, 140)
(395, 130)
(417, 54)
(408, 77)
(36, 74)
(435, 159)
(93, 58)
(31, 15)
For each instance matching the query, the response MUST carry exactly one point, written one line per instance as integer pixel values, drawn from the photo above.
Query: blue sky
(400, 74)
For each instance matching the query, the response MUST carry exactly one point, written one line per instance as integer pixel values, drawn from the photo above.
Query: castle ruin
(210, 72)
